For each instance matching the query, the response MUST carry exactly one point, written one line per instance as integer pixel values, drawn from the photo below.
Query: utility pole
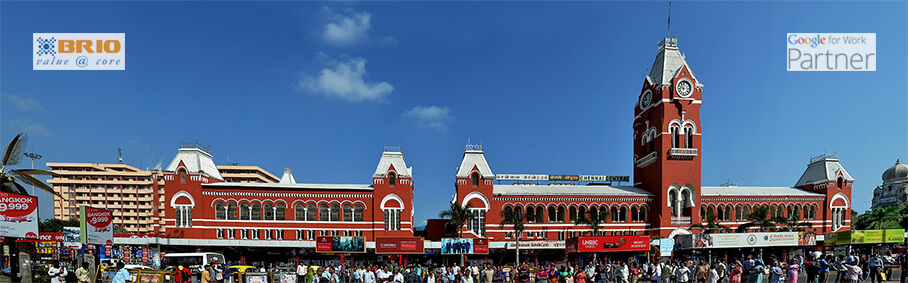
(32, 156)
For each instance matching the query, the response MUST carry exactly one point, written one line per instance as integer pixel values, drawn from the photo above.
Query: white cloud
(430, 117)
(25, 103)
(351, 28)
(29, 127)
(344, 80)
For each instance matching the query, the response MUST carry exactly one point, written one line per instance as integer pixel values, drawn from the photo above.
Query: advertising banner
(51, 236)
(18, 216)
(464, 246)
(330, 244)
(97, 225)
(744, 240)
(666, 247)
(535, 245)
(894, 236)
(72, 237)
(608, 244)
(843, 238)
(400, 245)
(522, 177)
(830, 239)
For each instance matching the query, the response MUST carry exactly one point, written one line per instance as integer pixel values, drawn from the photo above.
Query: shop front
(580, 250)
(767, 245)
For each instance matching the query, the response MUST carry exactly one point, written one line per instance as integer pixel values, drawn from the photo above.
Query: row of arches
(538, 213)
(311, 211)
(741, 212)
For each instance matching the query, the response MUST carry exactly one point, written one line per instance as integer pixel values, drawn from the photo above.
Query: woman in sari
(756, 273)
(793, 270)
(736, 271)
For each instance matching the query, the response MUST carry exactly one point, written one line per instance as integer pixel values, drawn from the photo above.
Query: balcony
(682, 153)
(647, 160)
(680, 220)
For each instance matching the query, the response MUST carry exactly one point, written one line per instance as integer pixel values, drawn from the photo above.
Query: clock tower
(667, 139)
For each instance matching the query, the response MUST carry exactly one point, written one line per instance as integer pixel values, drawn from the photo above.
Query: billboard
(333, 244)
(400, 245)
(18, 216)
(72, 237)
(464, 246)
(97, 225)
(666, 247)
(864, 237)
(744, 240)
(608, 244)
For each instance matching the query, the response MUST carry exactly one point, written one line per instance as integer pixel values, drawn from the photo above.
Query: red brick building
(666, 196)
(202, 209)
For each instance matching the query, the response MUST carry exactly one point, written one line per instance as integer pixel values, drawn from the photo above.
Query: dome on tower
(897, 171)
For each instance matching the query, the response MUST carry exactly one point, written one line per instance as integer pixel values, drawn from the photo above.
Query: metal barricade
(255, 277)
(284, 277)
(107, 273)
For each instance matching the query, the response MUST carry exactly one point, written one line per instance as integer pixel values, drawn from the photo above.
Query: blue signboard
(666, 246)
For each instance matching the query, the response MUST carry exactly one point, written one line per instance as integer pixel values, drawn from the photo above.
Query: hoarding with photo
(400, 245)
(18, 216)
(338, 244)
(608, 244)
(464, 246)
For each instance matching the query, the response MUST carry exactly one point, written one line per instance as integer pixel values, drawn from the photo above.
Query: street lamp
(32, 156)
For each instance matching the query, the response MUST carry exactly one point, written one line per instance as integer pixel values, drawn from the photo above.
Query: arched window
(244, 211)
(622, 214)
(531, 214)
(614, 212)
(720, 212)
(348, 212)
(299, 212)
(392, 178)
(672, 198)
(642, 212)
(634, 214)
(182, 176)
(689, 136)
(540, 214)
(335, 212)
(311, 212)
(475, 179)
(560, 216)
(508, 210)
(573, 212)
(840, 182)
(323, 212)
(220, 211)
(675, 134)
(231, 211)
(552, 216)
(581, 213)
(746, 210)
(257, 211)
(358, 213)
(279, 209)
(728, 213)
(796, 211)
(519, 210)
(703, 212)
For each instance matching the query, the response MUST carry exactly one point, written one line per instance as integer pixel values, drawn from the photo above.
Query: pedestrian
(682, 273)
(702, 272)
(812, 270)
(205, 277)
(775, 273)
(875, 265)
(756, 272)
(736, 272)
(668, 273)
(793, 270)
(854, 272)
(57, 273)
(823, 265)
(82, 273)
(122, 274)
(713, 275)
(747, 266)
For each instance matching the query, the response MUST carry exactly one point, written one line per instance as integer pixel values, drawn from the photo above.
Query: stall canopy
(746, 240)
(607, 244)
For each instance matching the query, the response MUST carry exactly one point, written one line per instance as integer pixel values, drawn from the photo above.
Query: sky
(546, 87)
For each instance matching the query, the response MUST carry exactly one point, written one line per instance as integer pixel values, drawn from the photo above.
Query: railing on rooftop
(680, 220)
(647, 160)
(682, 153)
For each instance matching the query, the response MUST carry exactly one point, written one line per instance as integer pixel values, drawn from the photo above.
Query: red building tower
(667, 139)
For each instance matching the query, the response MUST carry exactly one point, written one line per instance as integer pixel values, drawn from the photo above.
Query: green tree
(593, 219)
(794, 224)
(9, 178)
(515, 219)
(884, 217)
(56, 225)
(761, 219)
(712, 225)
(118, 229)
(459, 215)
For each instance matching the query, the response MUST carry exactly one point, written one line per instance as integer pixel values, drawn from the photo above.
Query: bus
(193, 261)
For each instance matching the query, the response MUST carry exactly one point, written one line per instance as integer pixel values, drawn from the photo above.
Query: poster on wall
(72, 237)
(18, 216)
(464, 246)
(97, 225)
(399, 245)
(743, 240)
(331, 244)
(608, 243)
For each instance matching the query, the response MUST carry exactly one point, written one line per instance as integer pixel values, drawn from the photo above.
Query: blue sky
(548, 87)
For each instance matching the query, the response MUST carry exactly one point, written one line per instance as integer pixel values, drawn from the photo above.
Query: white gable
(395, 158)
(196, 160)
(473, 158)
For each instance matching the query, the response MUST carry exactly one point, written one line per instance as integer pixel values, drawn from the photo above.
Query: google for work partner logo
(79, 51)
(831, 51)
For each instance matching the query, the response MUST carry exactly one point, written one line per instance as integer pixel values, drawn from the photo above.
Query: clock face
(646, 99)
(684, 88)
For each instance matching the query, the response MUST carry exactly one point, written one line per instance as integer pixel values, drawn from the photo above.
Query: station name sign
(581, 178)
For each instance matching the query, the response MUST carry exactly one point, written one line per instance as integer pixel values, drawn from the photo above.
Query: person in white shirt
(713, 276)
(57, 273)
(466, 278)
(398, 277)
(682, 273)
(657, 272)
(300, 272)
(368, 276)
(384, 275)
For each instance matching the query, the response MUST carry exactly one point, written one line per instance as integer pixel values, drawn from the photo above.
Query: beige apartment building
(135, 196)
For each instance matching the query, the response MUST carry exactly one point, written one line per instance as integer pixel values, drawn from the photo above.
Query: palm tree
(459, 216)
(515, 219)
(886, 217)
(593, 219)
(794, 224)
(760, 218)
(712, 225)
(9, 177)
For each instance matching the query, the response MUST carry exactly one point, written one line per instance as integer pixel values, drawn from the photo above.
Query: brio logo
(812, 41)
(80, 46)
(79, 51)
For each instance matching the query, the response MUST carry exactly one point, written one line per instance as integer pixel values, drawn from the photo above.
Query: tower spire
(669, 28)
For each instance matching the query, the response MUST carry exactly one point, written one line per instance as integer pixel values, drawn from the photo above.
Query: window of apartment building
(392, 219)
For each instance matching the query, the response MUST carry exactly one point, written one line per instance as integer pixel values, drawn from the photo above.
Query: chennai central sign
(578, 177)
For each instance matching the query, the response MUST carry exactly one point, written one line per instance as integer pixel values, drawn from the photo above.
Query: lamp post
(32, 156)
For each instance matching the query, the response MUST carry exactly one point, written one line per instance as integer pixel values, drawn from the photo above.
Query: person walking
(122, 274)
(854, 272)
(876, 267)
(736, 272)
(57, 273)
(793, 270)
(823, 265)
(775, 273)
(756, 272)
(702, 272)
(205, 277)
(82, 273)
(713, 275)
(682, 273)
